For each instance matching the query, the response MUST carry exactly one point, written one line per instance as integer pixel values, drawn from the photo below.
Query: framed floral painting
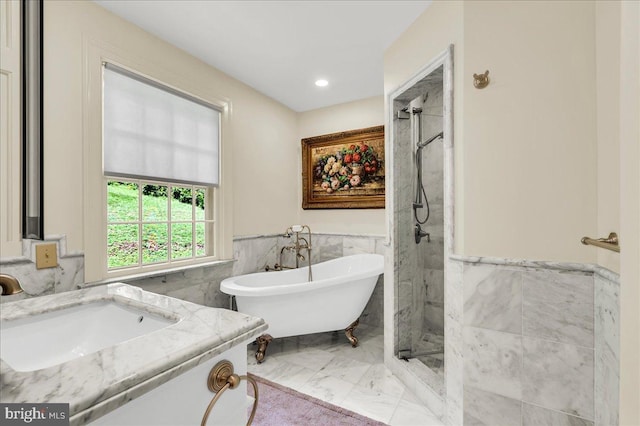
(344, 170)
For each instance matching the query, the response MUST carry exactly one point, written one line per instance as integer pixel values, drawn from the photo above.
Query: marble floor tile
(373, 404)
(286, 374)
(411, 414)
(369, 350)
(327, 388)
(266, 369)
(378, 378)
(324, 367)
(346, 369)
(314, 359)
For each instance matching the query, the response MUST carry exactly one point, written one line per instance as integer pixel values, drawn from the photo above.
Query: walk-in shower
(419, 224)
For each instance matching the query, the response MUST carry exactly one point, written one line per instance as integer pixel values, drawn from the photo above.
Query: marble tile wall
(453, 340)
(607, 347)
(417, 276)
(199, 284)
(431, 254)
(409, 322)
(540, 343)
(420, 312)
(68, 275)
(253, 254)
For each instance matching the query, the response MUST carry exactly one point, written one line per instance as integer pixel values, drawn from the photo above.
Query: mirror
(32, 179)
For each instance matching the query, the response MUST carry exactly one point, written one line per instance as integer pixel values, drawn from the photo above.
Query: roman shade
(152, 131)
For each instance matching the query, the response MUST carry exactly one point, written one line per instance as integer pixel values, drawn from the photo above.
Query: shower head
(427, 142)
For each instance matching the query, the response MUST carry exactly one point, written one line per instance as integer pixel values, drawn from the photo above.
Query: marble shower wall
(430, 256)
(540, 343)
(418, 272)
(405, 254)
(420, 266)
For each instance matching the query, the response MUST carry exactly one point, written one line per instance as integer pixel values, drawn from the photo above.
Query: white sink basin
(44, 340)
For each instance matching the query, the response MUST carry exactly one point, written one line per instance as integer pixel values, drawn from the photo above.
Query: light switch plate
(46, 256)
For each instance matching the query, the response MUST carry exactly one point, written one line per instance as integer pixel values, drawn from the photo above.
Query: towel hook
(480, 81)
(610, 243)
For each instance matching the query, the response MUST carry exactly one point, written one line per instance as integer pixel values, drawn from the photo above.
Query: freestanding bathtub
(293, 306)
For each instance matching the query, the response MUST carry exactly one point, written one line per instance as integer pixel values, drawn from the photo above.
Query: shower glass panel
(420, 223)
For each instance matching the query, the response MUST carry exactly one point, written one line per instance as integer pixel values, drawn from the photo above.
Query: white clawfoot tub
(292, 306)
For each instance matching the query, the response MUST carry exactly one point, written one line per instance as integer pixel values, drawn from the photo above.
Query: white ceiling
(281, 48)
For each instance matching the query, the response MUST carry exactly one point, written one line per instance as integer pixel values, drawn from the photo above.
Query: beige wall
(260, 130)
(264, 135)
(608, 125)
(431, 34)
(349, 116)
(521, 145)
(530, 136)
(10, 129)
(630, 214)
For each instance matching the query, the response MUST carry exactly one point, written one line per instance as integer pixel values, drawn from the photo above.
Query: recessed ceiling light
(322, 83)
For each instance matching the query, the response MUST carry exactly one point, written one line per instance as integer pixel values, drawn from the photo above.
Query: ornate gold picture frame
(344, 170)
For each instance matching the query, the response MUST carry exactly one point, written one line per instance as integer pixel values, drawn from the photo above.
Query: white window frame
(209, 222)
(95, 188)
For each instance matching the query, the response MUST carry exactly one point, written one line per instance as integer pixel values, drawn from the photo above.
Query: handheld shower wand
(419, 187)
(420, 191)
(427, 142)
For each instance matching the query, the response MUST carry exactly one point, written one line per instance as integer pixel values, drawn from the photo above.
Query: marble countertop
(97, 383)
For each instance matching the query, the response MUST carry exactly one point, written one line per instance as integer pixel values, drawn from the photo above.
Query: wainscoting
(540, 343)
(198, 284)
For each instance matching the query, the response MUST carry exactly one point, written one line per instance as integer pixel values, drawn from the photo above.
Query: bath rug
(282, 406)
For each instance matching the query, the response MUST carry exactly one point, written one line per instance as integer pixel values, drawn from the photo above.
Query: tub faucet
(9, 285)
(280, 266)
(301, 243)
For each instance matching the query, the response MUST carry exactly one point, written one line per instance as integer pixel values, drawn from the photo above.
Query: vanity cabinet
(184, 399)
(125, 375)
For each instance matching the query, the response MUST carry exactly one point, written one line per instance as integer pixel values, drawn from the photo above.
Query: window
(161, 172)
(153, 222)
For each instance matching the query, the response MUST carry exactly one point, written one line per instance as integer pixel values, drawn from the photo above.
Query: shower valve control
(420, 234)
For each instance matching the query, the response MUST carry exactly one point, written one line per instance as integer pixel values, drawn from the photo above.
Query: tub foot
(262, 341)
(349, 333)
